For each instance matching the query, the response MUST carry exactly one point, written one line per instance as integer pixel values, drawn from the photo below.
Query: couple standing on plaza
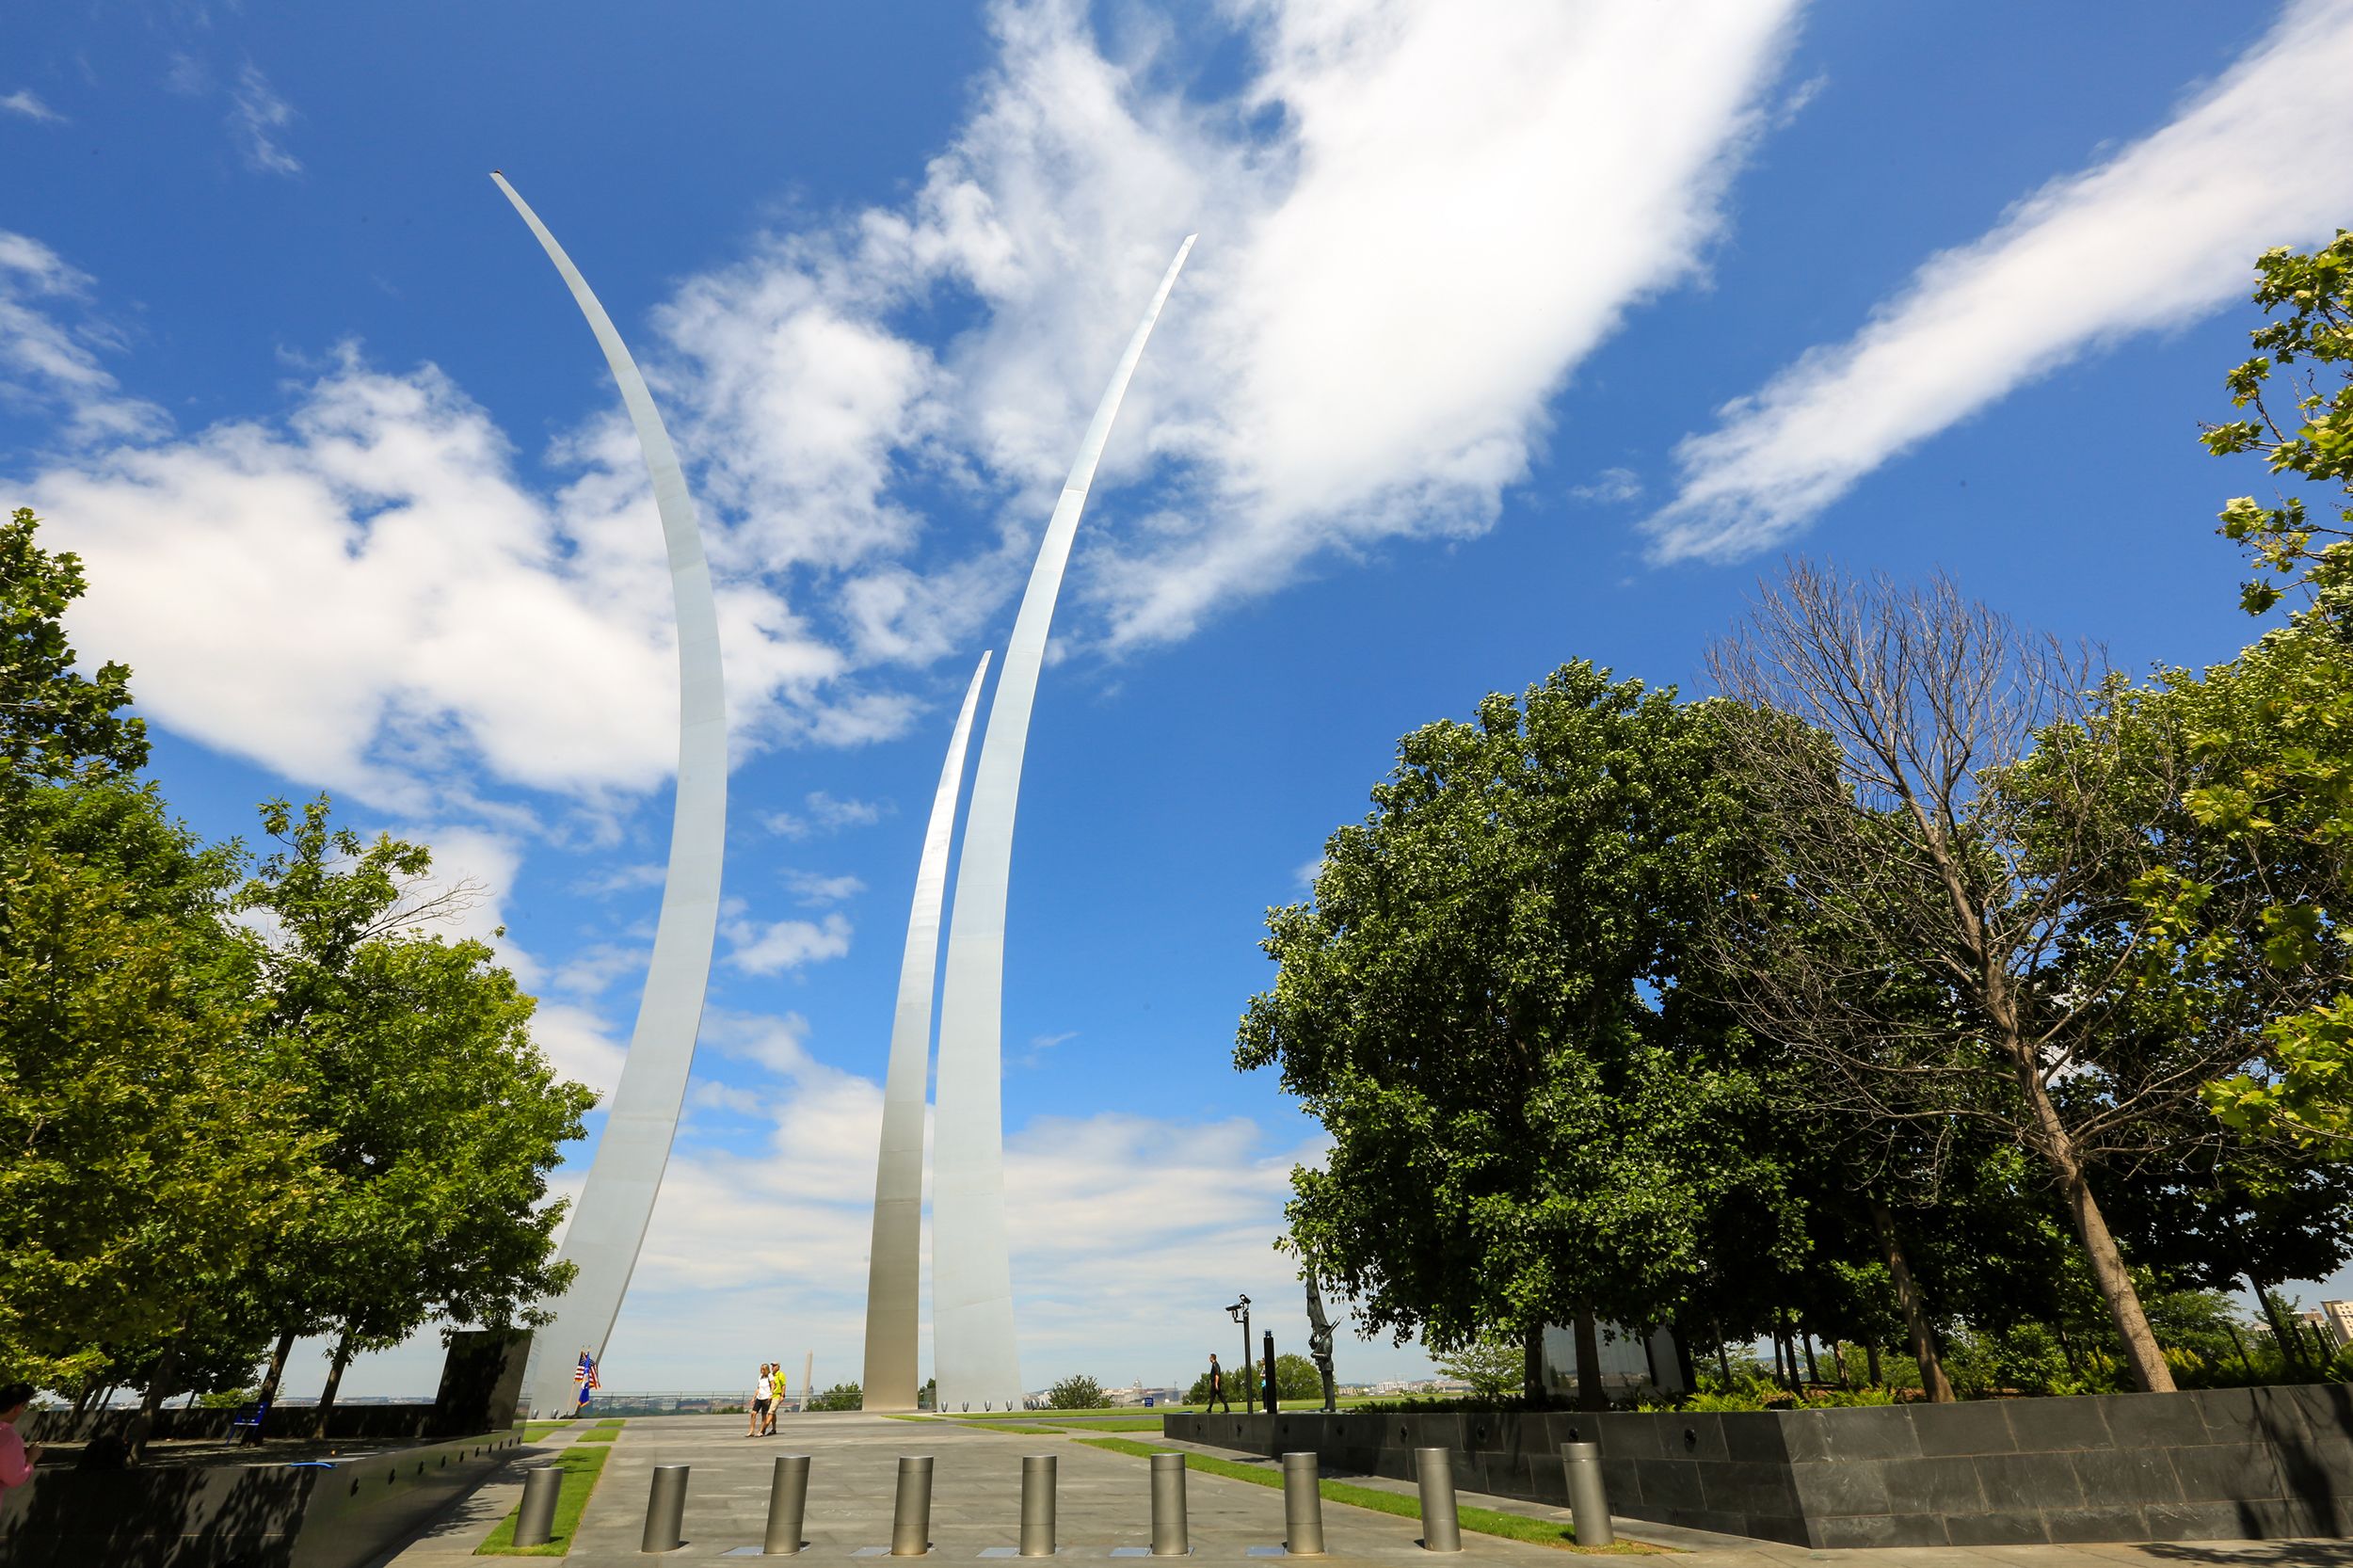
(767, 1399)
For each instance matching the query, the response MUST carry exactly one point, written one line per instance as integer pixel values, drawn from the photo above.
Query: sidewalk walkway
(1103, 1503)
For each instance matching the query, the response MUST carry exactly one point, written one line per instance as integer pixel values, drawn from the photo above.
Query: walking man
(762, 1392)
(1217, 1388)
(16, 1460)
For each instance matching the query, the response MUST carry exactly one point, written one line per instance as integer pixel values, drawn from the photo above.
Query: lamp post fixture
(1240, 1312)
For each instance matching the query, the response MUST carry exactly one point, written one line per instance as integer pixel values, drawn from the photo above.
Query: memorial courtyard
(1681, 729)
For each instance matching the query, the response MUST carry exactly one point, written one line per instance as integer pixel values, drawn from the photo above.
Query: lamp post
(1240, 1312)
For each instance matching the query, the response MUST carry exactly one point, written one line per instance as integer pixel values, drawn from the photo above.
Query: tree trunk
(1591, 1393)
(334, 1379)
(2291, 1348)
(2067, 1347)
(2109, 1274)
(158, 1390)
(1532, 1367)
(1684, 1368)
(1813, 1371)
(2240, 1345)
(1871, 1361)
(1932, 1379)
(268, 1395)
(1723, 1358)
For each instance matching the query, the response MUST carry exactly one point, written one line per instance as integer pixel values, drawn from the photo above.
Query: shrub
(841, 1396)
(1078, 1392)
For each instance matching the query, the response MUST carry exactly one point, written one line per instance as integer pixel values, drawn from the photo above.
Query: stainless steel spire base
(894, 1258)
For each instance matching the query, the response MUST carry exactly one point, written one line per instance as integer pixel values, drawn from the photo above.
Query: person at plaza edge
(1217, 1388)
(760, 1391)
(776, 1390)
(16, 1460)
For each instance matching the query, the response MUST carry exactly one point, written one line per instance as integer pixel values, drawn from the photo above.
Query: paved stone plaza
(1103, 1503)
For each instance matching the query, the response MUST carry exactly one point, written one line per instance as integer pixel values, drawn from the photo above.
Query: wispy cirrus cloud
(2151, 237)
(50, 344)
(24, 102)
(260, 118)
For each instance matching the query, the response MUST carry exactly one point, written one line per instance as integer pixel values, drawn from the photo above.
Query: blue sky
(1515, 333)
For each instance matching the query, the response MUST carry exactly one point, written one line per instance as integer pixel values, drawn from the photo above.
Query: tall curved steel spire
(974, 1355)
(893, 1267)
(608, 1222)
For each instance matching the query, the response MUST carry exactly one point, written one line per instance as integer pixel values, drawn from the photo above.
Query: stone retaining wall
(2231, 1464)
(374, 1421)
(348, 1513)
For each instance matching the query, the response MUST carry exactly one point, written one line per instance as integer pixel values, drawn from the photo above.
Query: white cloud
(825, 813)
(49, 364)
(1123, 1228)
(1610, 487)
(258, 116)
(1415, 223)
(580, 1044)
(811, 889)
(1447, 214)
(364, 596)
(24, 101)
(774, 947)
(2155, 236)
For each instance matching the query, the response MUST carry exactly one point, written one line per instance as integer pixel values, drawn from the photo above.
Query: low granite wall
(347, 1514)
(2232, 1464)
(374, 1421)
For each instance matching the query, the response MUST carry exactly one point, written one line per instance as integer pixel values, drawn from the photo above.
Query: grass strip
(1015, 1426)
(1486, 1521)
(581, 1467)
(534, 1431)
(1129, 1423)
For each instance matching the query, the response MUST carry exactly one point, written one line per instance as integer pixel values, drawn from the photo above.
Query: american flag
(585, 1376)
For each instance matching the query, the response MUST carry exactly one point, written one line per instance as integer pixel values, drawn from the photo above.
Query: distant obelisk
(974, 1355)
(893, 1267)
(608, 1224)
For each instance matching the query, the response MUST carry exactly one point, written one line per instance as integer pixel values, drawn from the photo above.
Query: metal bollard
(788, 1506)
(1038, 1505)
(1302, 1506)
(911, 1512)
(1441, 1526)
(665, 1510)
(537, 1521)
(1168, 1506)
(1588, 1501)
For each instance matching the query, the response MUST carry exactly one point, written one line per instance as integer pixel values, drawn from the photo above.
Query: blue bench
(251, 1423)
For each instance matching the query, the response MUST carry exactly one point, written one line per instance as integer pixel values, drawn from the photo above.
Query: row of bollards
(912, 1505)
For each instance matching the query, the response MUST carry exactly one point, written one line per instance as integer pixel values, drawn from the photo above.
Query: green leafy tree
(1241, 1386)
(440, 1119)
(1296, 1379)
(1493, 1366)
(54, 721)
(841, 1396)
(152, 1146)
(1532, 1114)
(1078, 1392)
(2271, 734)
